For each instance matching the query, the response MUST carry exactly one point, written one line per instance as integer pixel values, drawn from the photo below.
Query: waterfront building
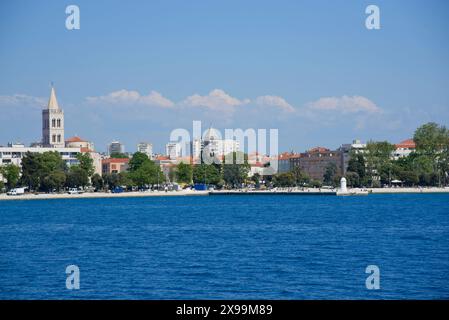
(173, 150)
(53, 123)
(166, 164)
(116, 147)
(195, 149)
(404, 148)
(13, 154)
(114, 165)
(315, 161)
(146, 148)
(214, 145)
(284, 163)
(86, 147)
(347, 149)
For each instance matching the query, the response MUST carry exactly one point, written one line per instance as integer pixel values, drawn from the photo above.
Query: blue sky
(138, 69)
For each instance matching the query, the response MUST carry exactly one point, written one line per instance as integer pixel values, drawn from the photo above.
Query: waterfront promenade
(281, 191)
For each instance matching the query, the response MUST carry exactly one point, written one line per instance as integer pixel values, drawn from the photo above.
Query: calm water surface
(226, 247)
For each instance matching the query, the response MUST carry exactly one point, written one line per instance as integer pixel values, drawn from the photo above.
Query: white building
(14, 154)
(85, 147)
(213, 145)
(115, 147)
(146, 148)
(173, 150)
(53, 123)
(77, 142)
(195, 148)
(404, 148)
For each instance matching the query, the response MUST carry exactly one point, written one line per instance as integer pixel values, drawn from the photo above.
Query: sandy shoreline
(409, 190)
(87, 195)
(92, 195)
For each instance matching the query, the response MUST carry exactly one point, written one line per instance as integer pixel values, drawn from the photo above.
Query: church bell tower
(53, 123)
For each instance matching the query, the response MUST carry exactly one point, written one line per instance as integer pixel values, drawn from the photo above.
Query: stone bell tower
(53, 123)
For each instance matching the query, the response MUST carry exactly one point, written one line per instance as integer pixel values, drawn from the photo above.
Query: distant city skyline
(134, 72)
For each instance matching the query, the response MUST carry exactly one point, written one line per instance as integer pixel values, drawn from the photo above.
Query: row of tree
(231, 175)
(427, 165)
(48, 172)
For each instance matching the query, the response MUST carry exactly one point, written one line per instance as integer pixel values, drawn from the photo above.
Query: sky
(136, 70)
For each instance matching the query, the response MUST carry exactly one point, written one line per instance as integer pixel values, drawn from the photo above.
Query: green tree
(207, 173)
(286, 179)
(11, 173)
(124, 179)
(147, 174)
(86, 163)
(118, 155)
(37, 167)
(97, 182)
(431, 139)
(111, 180)
(329, 174)
(31, 166)
(315, 183)
(301, 178)
(55, 180)
(51, 161)
(357, 165)
(138, 159)
(378, 160)
(256, 179)
(76, 177)
(183, 173)
(235, 169)
(353, 179)
(432, 149)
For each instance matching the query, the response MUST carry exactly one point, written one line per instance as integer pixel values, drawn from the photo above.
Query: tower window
(59, 138)
(59, 123)
(53, 123)
(53, 138)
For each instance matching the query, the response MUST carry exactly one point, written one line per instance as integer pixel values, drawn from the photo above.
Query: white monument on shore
(343, 188)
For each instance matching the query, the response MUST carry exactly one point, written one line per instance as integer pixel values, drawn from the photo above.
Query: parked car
(16, 191)
(74, 191)
(117, 190)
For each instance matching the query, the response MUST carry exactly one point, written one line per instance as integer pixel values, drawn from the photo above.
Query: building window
(59, 138)
(53, 123)
(59, 123)
(53, 138)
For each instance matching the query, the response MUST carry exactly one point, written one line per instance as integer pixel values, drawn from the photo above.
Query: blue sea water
(226, 247)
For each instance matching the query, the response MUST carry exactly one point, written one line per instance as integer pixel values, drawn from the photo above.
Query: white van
(16, 191)
(74, 191)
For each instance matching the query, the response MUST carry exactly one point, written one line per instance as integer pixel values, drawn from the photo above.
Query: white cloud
(275, 101)
(129, 97)
(216, 99)
(345, 104)
(22, 100)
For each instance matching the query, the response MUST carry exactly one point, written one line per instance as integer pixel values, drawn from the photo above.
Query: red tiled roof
(287, 155)
(409, 143)
(75, 139)
(318, 150)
